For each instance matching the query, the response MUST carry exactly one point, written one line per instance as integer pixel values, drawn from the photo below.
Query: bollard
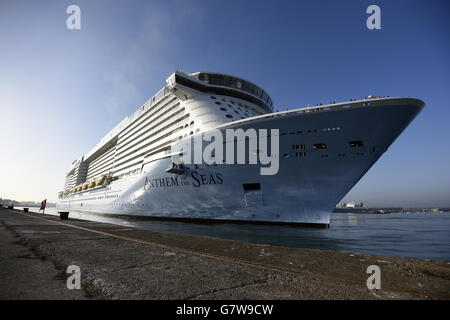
(63, 215)
(25, 209)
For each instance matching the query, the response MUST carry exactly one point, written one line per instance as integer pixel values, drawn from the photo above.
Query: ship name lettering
(161, 182)
(200, 179)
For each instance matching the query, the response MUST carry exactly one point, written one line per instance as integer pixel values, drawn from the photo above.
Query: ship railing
(150, 102)
(312, 109)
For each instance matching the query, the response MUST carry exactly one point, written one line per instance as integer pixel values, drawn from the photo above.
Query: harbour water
(416, 235)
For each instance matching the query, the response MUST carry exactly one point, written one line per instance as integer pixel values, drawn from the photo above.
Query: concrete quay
(119, 262)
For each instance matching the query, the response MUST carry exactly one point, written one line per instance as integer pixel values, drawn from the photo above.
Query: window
(223, 109)
(355, 144)
(212, 97)
(320, 146)
(217, 102)
(251, 187)
(298, 147)
(229, 116)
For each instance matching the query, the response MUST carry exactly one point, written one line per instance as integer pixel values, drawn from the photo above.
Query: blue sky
(61, 90)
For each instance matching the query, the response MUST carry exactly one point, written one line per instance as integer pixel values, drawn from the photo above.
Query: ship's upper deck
(222, 84)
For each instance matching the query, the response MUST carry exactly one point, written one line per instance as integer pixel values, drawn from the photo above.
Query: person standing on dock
(43, 203)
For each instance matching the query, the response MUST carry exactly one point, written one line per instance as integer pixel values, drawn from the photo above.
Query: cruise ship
(323, 151)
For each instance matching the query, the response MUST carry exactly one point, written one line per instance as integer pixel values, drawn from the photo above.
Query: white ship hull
(305, 190)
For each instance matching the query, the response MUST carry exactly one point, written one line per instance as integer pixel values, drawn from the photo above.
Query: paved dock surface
(119, 262)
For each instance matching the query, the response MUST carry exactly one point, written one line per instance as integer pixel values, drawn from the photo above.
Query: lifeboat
(100, 181)
(85, 186)
(92, 184)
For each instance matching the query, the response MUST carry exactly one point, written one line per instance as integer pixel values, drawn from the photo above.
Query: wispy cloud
(144, 59)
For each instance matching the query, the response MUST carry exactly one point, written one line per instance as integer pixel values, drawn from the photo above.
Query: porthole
(218, 103)
(355, 144)
(320, 146)
(223, 109)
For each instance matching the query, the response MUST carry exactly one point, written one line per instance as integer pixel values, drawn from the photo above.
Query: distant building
(351, 205)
